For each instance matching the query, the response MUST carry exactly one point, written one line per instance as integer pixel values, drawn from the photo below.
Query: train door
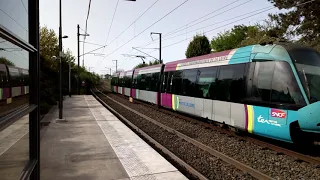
(21, 82)
(4, 83)
(166, 97)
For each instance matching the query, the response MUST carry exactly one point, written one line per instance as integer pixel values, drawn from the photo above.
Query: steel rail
(245, 168)
(190, 169)
(270, 146)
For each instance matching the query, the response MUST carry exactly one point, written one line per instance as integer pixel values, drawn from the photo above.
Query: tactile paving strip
(131, 162)
(12, 134)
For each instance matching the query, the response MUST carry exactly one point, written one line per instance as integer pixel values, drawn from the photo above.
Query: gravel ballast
(276, 165)
(200, 160)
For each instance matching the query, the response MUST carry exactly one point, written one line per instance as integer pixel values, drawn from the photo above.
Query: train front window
(308, 65)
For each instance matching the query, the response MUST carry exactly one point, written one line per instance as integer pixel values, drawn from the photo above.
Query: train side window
(176, 82)
(148, 82)
(206, 79)
(262, 81)
(189, 82)
(164, 82)
(142, 81)
(15, 77)
(125, 81)
(154, 81)
(129, 82)
(135, 82)
(169, 82)
(120, 82)
(284, 85)
(230, 83)
(138, 83)
(3, 77)
(112, 81)
(26, 77)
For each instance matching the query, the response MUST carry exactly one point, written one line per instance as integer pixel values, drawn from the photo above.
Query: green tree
(151, 63)
(231, 39)
(49, 72)
(269, 32)
(242, 35)
(49, 46)
(300, 19)
(4, 60)
(198, 46)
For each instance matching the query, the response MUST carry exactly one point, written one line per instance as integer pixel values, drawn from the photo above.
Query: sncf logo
(278, 113)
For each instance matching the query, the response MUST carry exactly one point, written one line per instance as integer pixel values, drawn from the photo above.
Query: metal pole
(69, 78)
(60, 56)
(78, 35)
(160, 60)
(116, 64)
(160, 40)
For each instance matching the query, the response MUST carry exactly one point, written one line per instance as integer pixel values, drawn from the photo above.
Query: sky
(138, 35)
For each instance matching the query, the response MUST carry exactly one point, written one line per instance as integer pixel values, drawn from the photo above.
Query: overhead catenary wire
(114, 14)
(82, 29)
(123, 30)
(188, 24)
(13, 20)
(265, 8)
(92, 43)
(218, 27)
(226, 25)
(133, 22)
(202, 21)
(214, 16)
(146, 29)
(85, 31)
(86, 28)
(202, 17)
(196, 19)
(231, 23)
(24, 6)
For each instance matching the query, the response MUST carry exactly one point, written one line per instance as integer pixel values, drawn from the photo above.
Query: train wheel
(298, 137)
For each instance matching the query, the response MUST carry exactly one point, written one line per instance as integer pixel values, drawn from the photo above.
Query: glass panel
(263, 75)
(189, 82)
(14, 77)
(284, 86)
(14, 93)
(230, 83)
(206, 81)
(14, 148)
(176, 82)
(141, 81)
(134, 82)
(154, 81)
(148, 81)
(165, 82)
(14, 17)
(308, 65)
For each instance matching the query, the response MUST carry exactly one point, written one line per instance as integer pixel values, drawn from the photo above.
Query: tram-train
(14, 85)
(271, 90)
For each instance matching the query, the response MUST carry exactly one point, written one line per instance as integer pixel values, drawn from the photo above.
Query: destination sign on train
(220, 58)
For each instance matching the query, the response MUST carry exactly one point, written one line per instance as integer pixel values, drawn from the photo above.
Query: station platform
(91, 143)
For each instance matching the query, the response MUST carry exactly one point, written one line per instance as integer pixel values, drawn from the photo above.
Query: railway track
(229, 160)
(280, 150)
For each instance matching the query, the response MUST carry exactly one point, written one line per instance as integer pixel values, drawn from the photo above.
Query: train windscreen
(308, 65)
